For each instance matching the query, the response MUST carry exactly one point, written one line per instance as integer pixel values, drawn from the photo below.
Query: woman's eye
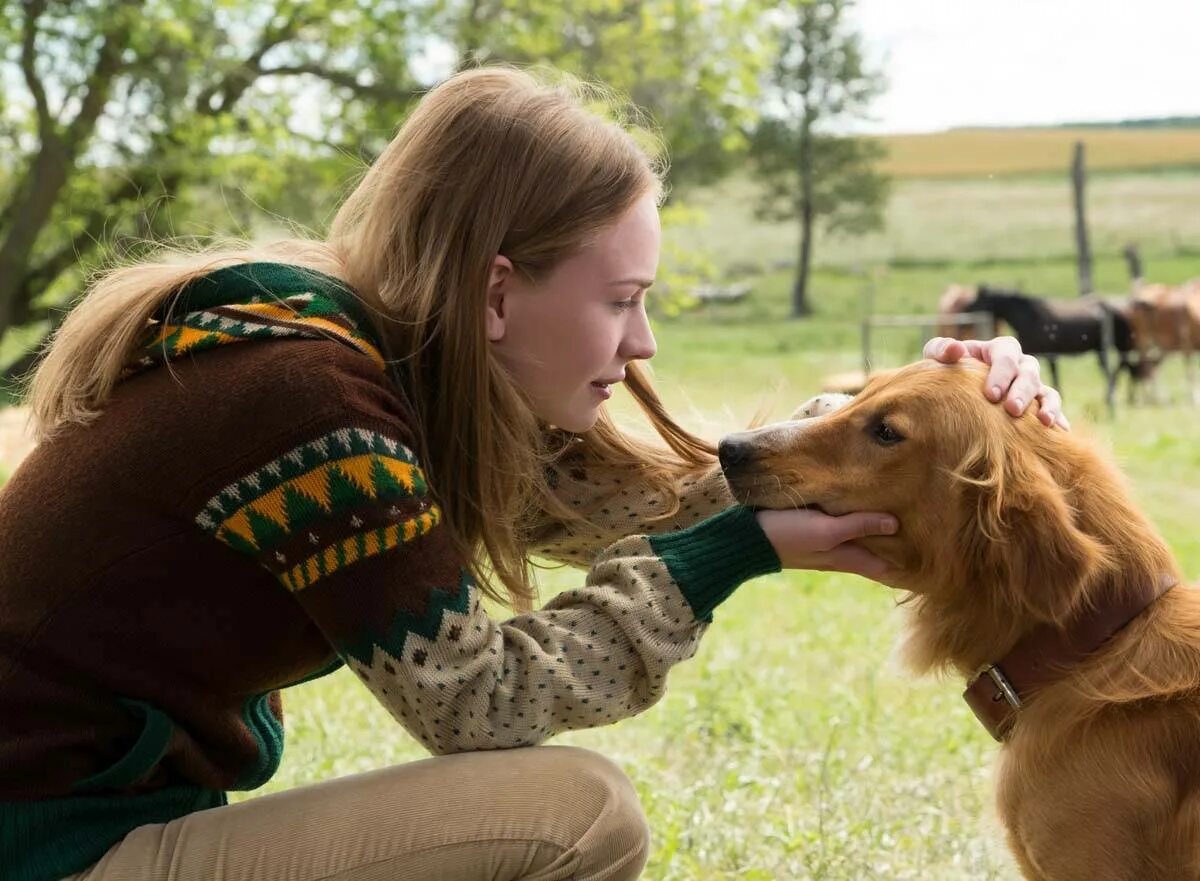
(885, 434)
(625, 304)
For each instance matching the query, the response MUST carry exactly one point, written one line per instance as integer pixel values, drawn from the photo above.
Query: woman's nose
(638, 343)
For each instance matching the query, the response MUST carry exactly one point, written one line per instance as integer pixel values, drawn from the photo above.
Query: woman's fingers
(804, 539)
(1014, 378)
(1050, 408)
(856, 561)
(945, 349)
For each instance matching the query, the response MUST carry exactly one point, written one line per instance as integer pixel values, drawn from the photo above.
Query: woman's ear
(498, 281)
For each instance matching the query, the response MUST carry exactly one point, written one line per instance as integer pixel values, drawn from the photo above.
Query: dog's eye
(884, 434)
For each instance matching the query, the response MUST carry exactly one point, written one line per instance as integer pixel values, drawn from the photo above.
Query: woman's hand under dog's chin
(808, 539)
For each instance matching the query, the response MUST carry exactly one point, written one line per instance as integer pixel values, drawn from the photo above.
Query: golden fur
(1006, 524)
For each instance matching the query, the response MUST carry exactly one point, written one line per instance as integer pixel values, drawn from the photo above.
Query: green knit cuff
(711, 559)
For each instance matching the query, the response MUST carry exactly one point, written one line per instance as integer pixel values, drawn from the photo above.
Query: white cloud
(970, 62)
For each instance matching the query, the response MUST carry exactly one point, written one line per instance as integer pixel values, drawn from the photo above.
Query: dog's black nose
(734, 454)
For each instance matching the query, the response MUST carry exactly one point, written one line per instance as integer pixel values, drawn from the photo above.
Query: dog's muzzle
(734, 454)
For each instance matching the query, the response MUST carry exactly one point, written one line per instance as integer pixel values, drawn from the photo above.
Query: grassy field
(981, 152)
(976, 223)
(793, 746)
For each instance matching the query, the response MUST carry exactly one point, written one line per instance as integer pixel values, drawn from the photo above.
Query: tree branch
(239, 79)
(108, 62)
(33, 11)
(345, 79)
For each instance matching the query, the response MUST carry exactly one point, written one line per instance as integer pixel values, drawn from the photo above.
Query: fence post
(1082, 249)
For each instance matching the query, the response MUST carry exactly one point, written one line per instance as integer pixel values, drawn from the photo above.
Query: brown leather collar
(1044, 654)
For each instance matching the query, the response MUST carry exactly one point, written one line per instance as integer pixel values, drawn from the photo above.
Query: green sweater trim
(50, 839)
(710, 560)
(145, 753)
(243, 282)
(53, 838)
(233, 284)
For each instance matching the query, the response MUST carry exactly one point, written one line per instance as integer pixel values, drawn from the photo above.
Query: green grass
(792, 745)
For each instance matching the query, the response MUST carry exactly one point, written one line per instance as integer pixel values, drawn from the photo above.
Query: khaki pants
(538, 814)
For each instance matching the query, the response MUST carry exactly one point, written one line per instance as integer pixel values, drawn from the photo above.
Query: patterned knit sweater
(241, 518)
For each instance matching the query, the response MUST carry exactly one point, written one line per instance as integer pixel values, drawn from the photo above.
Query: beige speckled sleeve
(616, 504)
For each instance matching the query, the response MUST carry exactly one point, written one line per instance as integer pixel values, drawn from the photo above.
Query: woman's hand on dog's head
(1015, 378)
(807, 539)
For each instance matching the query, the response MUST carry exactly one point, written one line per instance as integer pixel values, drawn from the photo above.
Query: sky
(1011, 62)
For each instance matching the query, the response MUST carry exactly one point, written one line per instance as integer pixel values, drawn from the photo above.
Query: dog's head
(986, 503)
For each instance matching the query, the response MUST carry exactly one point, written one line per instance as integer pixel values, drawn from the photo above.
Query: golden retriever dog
(1013, 534)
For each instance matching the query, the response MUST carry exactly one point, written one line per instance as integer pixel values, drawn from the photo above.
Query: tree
(819, 78)
(124, 122)
(132, 106)
(695, 67)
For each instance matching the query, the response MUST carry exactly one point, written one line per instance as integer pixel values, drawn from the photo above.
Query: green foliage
(246, 119)
(848, 192)
(819, 78)
(202, 113)
(694, 67)
(21, 340)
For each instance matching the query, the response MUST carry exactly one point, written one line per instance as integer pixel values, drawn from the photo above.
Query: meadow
(793, 746)
(999, 224)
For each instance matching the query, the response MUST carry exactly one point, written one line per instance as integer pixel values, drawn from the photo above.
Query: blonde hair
(492, 161)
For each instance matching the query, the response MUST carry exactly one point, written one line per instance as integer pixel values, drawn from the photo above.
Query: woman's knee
(613, 835)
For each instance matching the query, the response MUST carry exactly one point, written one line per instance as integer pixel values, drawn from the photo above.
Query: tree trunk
(31, 213)
(60, 147)
(1082, 248)
(800, 303)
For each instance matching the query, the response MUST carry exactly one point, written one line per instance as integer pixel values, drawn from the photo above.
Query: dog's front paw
(820, 405)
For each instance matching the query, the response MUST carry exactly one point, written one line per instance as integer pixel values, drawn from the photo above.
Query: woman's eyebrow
(640, 282)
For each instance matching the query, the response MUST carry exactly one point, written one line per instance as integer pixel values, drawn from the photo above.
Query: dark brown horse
(1049, 328)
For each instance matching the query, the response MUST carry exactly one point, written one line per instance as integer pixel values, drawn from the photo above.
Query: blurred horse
(1048, 328)
(952, 304)
(1166, 319)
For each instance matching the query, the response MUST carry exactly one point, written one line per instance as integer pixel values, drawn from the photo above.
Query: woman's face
(566, 340)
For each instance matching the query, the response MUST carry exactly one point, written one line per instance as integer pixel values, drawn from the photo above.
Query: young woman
(258, 466)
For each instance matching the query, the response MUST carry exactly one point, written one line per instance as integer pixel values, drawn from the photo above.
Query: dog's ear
(1024, 547)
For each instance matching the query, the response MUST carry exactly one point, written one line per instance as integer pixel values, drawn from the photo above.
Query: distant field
(968, 220)
(982, 152)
